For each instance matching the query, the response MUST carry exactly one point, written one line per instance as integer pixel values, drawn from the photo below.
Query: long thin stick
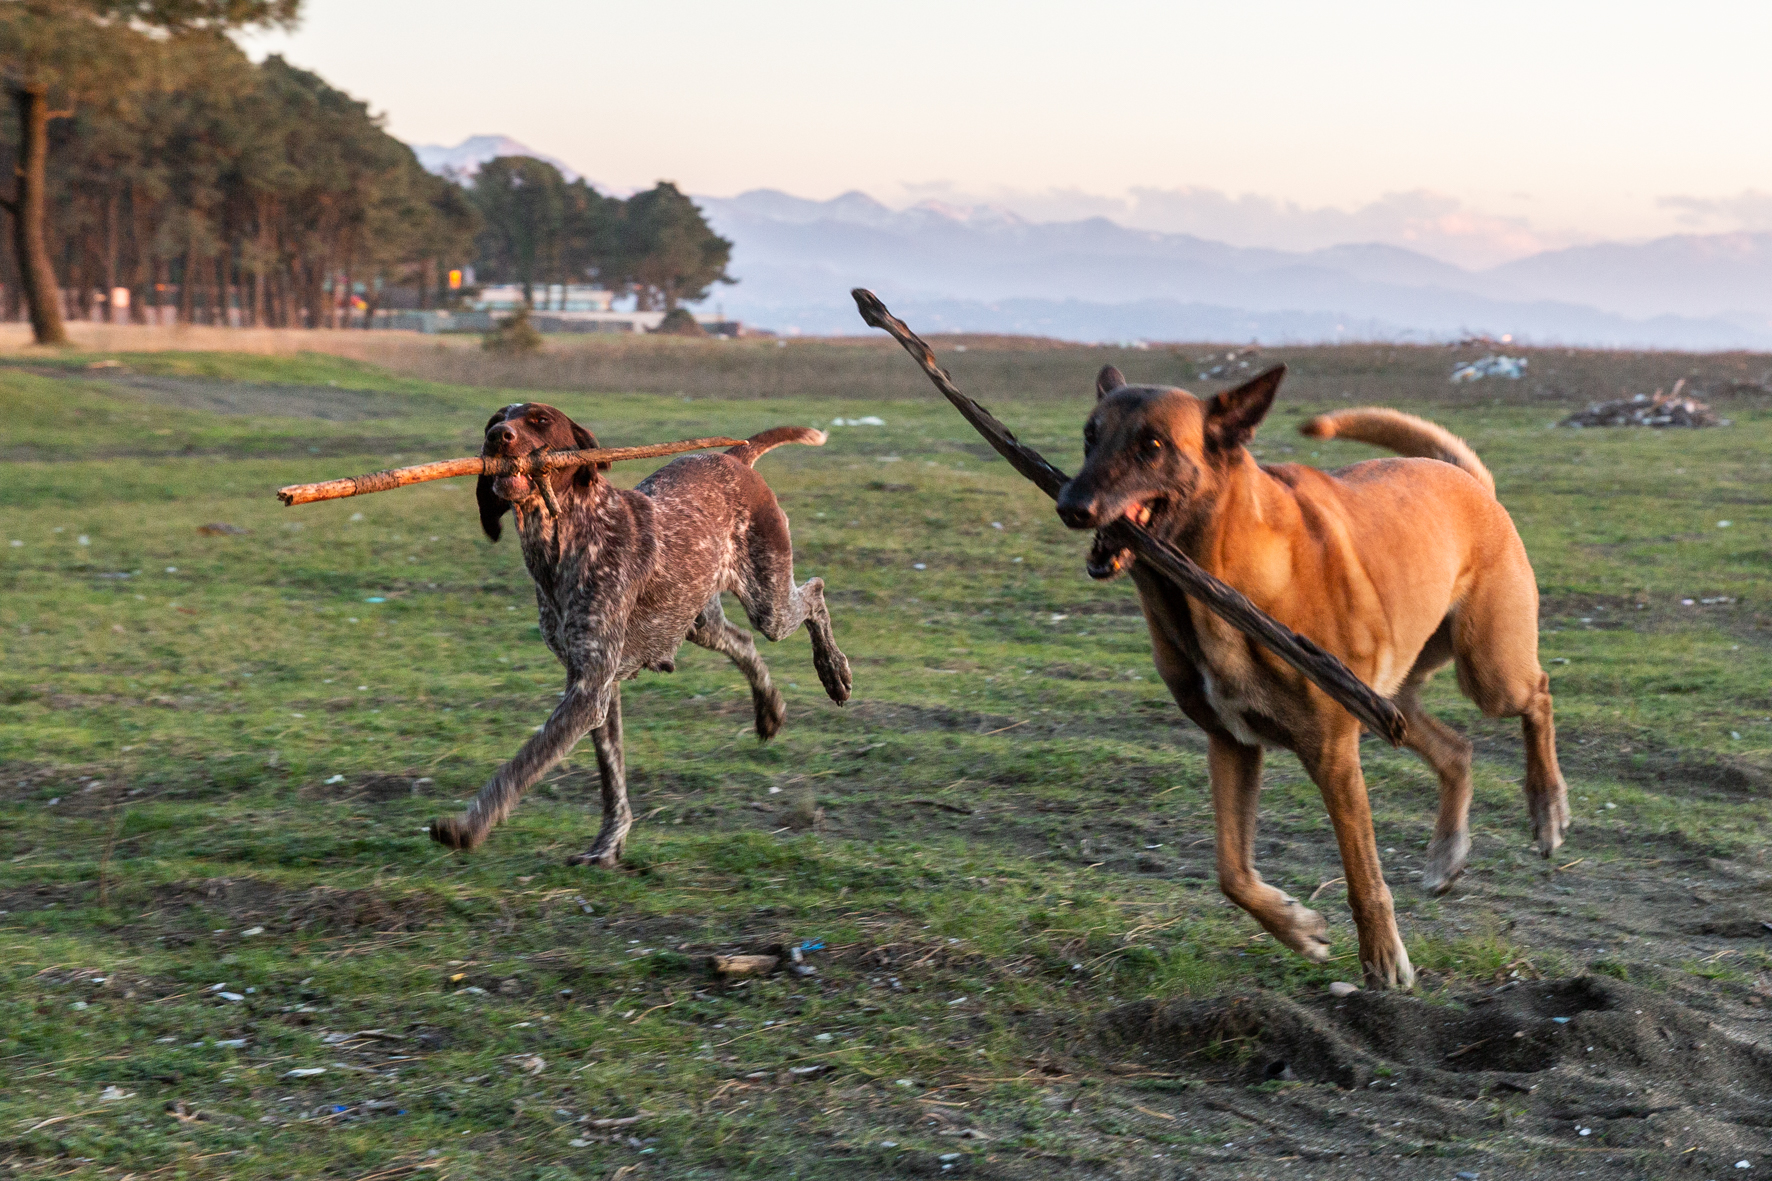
(1323, 669)
(481, 465)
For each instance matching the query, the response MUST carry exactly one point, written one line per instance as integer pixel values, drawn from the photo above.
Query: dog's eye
(1089, 437)
(1153, 446)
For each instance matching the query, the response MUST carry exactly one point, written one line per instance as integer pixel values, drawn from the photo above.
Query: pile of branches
(1659, 409)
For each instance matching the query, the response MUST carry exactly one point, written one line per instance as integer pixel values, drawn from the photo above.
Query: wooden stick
(483, 465)
(1323, 669)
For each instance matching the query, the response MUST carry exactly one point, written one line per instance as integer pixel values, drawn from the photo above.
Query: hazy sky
(1475, 133)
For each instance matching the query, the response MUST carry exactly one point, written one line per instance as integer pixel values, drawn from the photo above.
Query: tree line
(150, 154)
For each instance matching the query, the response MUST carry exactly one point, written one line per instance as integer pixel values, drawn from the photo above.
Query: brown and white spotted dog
(623, 578)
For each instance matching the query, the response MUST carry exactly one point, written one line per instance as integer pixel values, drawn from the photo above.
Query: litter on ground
(1659, 409)
(1494, 365)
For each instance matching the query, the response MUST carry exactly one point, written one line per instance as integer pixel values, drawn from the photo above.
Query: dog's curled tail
(754, 448)
(1403, 433)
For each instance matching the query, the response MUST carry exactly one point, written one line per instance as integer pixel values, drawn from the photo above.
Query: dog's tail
(753, 448)
(1403, 433)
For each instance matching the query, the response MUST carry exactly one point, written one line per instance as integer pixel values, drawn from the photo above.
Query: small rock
(305, 1072)
(1341, 988)
(112, 1094)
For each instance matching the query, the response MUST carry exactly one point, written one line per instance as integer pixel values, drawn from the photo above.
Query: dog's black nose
(1077, 510)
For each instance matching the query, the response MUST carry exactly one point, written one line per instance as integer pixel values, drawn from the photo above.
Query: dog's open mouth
(1107, 560)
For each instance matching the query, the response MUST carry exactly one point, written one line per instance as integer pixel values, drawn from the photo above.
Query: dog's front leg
(1236, 798)
(618, 816)
(1335, 766)
(582, 709)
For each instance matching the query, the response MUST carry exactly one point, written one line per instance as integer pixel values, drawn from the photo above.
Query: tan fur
(1397, 566)
(1403, 433)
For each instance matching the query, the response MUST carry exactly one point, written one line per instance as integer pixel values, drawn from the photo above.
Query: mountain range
(983, 269)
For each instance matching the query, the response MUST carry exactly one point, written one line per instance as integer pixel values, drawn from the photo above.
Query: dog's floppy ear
(492, 507)
(584, 440)
(1107, 381)
(1233, 415)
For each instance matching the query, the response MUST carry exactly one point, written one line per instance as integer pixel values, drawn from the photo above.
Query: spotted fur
(623, 578)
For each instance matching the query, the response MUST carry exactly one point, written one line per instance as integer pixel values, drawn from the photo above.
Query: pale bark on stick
(483, 465)
(1323, 669)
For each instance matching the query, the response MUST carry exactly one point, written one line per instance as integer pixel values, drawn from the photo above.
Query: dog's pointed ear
(585, 441)
(1233, 415)
(1107, 381)
(492, 507)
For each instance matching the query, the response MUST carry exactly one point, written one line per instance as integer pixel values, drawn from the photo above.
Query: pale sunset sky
(1475, 133)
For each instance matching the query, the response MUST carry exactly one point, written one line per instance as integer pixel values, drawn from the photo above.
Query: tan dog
(1397, 566)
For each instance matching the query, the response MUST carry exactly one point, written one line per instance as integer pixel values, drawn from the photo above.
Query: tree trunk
(187, 286)
(36, 275)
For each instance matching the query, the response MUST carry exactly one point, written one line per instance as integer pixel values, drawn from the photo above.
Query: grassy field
(227, 949)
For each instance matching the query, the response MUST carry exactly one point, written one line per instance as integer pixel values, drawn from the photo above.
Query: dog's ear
(492, 507)
(584, 440)
(1233, 415)
(1107, 381)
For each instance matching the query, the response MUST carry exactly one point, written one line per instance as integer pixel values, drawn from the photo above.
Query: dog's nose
(504, 433)
(1076, 508)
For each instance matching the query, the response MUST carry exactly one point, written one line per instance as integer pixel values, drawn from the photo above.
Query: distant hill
(987, 270)
(465, 158)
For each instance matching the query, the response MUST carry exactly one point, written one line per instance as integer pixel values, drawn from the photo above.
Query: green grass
(217, 753)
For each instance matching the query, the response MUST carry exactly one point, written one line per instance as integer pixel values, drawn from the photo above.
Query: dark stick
(1323, 669)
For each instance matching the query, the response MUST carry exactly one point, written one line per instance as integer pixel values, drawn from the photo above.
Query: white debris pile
(1233, 364)
(1659, 409)
(1493, 365)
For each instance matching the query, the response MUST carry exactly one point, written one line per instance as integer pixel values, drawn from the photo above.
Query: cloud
(1750, 210)
(1434, 224)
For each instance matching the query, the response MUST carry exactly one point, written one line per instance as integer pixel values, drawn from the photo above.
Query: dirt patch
(375, 789)
(253, 901)
(1588, 1063)
(894, 715)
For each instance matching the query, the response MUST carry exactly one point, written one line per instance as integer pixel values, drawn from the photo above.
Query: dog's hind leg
(1449, 753)
(1236, 798)
(715, 632)
(1335, 766)
(1496, 637)
(1547, 796)
(618, 815)
(775, 606)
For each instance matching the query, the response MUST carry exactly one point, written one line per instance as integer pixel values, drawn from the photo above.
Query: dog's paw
(1304, 931)
(1550, 820)
(607, 860)
(833, 673)
(454, 834)
(772, 711)
(1389, 967)
(1445, 862)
